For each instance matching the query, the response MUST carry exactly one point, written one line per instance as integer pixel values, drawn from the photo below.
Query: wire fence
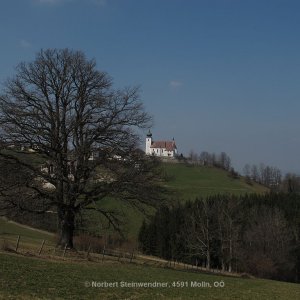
(47, 249)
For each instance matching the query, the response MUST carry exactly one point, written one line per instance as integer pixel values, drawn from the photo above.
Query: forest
(253, 234)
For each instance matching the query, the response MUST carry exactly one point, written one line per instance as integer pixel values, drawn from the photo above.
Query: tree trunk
(207, 259)
(230, 256)
(66, 227)
(223, 264)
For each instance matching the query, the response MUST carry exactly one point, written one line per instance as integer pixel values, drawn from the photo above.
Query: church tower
(148, 142)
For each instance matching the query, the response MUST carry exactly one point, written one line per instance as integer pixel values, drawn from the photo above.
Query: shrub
(84, 241)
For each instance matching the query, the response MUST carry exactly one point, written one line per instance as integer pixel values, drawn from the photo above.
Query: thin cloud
(99, 2)
(175, 84)
(51, 2)
(48, 1)
(54, 2)
(25, 44)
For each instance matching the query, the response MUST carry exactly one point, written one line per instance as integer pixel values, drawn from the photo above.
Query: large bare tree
(83, 133)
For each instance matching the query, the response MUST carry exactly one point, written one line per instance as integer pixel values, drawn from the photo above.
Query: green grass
(130, 216)
(190, 182)
(32, 278)
(30, 237)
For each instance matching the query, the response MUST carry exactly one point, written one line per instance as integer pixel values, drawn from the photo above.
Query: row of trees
(205, 158)
(263, 174)
(272, 177)
(254, 234)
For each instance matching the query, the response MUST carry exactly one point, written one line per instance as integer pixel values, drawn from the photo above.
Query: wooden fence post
(103, 253)
(131, 256)
(88, 252)
(65, 250)
(41, 249)
(17, 245)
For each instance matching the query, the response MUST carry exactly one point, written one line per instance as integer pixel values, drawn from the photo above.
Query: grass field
(189, 182)
(32, 278)
(30, 238)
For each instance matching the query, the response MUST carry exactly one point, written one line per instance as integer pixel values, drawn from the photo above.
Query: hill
(185, 182)
(192, 181)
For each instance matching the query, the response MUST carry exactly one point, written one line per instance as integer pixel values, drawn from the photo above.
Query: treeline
(263, 174)
(272, 177)
(205, 158)
(291, 183)
(256, 234)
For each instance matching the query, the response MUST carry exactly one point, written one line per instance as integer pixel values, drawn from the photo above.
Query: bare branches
(65, 110)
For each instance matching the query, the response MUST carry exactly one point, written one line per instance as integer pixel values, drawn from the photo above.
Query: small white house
(160, 148)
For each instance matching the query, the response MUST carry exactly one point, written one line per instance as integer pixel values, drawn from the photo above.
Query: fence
(47, 249)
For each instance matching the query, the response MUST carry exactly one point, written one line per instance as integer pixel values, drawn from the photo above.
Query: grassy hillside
(32, 278)
(185, 183)
(189, 182)
(30, 237)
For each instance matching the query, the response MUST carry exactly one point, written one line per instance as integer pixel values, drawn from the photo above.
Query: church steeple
(148, 142)
(149, 134)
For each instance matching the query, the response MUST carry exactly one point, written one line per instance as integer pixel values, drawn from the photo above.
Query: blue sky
(218, 75)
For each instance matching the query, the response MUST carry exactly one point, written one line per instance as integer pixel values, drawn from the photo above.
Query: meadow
(34, 278)
(192, 181)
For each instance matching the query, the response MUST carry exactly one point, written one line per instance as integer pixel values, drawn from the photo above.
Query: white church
(160, 148)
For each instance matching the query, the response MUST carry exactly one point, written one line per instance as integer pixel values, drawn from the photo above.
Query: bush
(85, 242)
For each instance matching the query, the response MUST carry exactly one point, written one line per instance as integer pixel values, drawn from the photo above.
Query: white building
(160, 148)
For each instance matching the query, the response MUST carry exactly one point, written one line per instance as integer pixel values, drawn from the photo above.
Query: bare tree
(193, 156)
(254, 173)
(266, 175)
(82, 131)
(247, 170)
(200, 230)
(228, 229)
(224, 161)
(268, 241)
(291, 183)
(204, 158)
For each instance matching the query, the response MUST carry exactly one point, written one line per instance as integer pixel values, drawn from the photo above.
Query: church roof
(169, 145)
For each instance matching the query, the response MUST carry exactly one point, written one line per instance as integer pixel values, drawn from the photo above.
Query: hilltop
(192, 181)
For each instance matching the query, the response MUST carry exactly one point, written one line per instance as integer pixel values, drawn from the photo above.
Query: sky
(217, 75)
